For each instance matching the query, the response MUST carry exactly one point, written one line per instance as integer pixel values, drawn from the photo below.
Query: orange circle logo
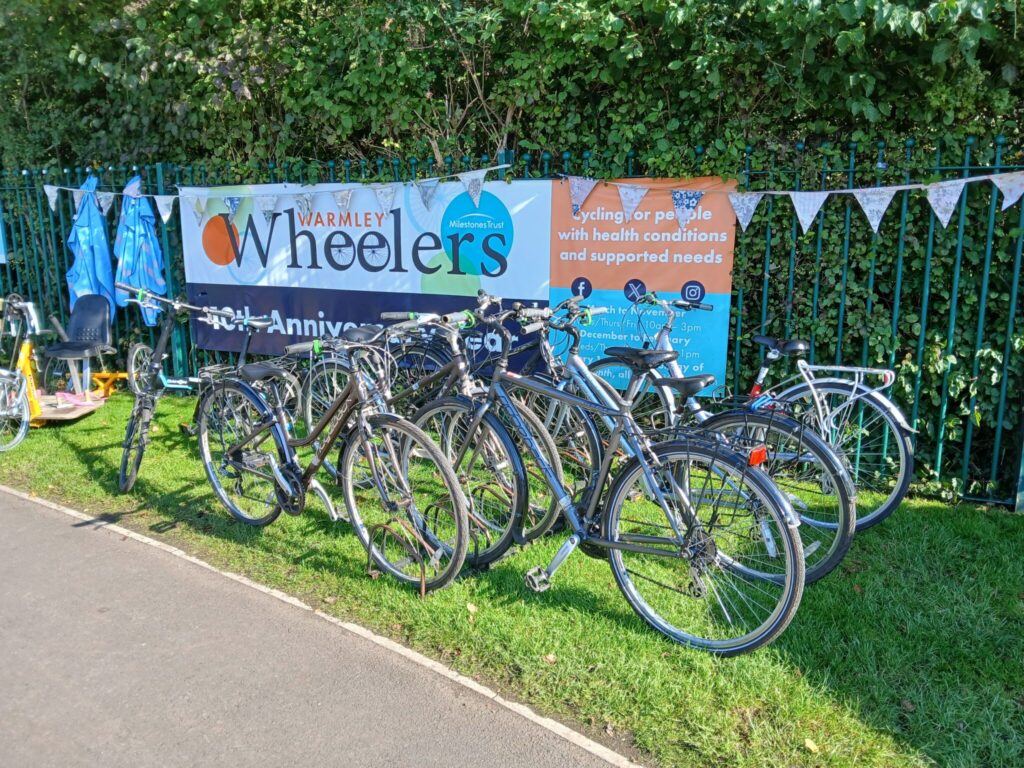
(217, 241)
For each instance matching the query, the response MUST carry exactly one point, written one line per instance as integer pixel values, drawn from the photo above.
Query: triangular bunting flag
(473, 181)
(199, 206)
(165, 205)
(342, 199)
(304, 203)
(943, 197)
(580, 188)
(105, 200)
(427, 189)
(685, 202)
(266, 205)
(630, 196)
(874, 202)
(232, 203)
(1011, 185)
(385, 196)
(77, 195)
(51, 195)
(744, 204)
(807, 205)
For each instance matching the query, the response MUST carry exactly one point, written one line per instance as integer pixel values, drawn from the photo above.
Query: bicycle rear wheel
(136, 437)
(241, 473)
(404, 501)
(326, 380)
(733, 582)
(14, 410)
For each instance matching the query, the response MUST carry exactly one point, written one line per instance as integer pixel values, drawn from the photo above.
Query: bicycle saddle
(783, 346)
(641, 359)
(362, 334)
(260, 371)
(687, 386)
(259, 323)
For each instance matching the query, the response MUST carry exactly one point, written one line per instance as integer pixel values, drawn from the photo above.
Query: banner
(318, 270)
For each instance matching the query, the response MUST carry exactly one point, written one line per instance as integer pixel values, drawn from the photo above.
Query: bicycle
(670, 518)
(15, 404)
(403, 498)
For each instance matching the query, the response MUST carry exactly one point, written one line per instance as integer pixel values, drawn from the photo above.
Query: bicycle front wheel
(715, 563)
(135, 439)
(239, 451)
(140, 362)
(15, 413)
(404, 501)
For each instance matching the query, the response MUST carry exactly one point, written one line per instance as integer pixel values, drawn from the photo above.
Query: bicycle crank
(292, 499)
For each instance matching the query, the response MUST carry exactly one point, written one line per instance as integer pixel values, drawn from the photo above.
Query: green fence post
(901, 246)
(818, 247)
(766, 271)
(747, 150)
(178, 353)
(850, 175)
(794, 236)
(925, 295)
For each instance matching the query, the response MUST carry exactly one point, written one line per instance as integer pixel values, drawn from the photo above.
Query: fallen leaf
(907, 706)
(858, 589)
(608, 729)
(549, 658)
(811, 746)
(471, 608)
(330, 599)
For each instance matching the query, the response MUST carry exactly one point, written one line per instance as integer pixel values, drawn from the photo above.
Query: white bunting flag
(427, 189)
(304, 203)
(232, 203)
(630, 195)
(105, 200)
(342, 199)
(807, 205)
(165, 205)
(1011, 185)
(875, 202)
(744, 204)
(266, 205)
(51, 195)
(77, 195)
(943, 197)
(580, 188)
(385, 196)
(685, 202)
(473, 181)
(199, 205)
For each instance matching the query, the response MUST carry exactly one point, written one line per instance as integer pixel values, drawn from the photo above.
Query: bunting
(199, 206)
(427, 188)
(943, 197)
(105, 200)
(473, 181)
(305, 203)
(165, 205)
(1011, 185)
(342, 199)
(77, 195)
(232, 204)
(580, 188)
(385, 196)
(51, 195)
(875, 202)
(266, 205)
(685, 202)
(630, 196)
(744, 204)
(807, 205)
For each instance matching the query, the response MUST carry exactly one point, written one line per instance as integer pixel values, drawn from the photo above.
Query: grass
(910, 654)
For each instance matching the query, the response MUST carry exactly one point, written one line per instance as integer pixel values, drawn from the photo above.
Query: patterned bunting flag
(164, 204)
(685, 202)
(473, 181)
(807, 205)
(630, 196)
(232, 203)
(385, 196)
(427, 189)
(1011, 185)
(943, 197)
(77, 195)
(304, 202)
(199, 205)
(744, 204)
(342, 199)
(105, 200)
(580, 188)
(874, 202)
(51, 195)
(266, 205)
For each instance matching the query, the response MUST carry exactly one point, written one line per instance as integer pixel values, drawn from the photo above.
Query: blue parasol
(140, 262)
(91, 271)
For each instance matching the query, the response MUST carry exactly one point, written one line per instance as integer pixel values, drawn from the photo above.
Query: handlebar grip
(535, 313)
(595, 311)
(684, 304)
(219, 313)
(532, 328)
(301, 348)
(397, 315)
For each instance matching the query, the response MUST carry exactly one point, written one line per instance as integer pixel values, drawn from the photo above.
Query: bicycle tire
(139, 367)
(135, 440)
(13, 401)
(788, 583)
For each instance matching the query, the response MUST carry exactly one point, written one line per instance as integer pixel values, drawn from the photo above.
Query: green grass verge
(912, 653)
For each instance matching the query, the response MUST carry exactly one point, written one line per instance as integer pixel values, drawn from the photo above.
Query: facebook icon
(581, 286)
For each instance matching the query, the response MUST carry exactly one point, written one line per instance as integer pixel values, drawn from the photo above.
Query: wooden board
(64, 411)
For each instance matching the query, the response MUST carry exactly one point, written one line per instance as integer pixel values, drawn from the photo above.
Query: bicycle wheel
(57, 377)
(542, 509)
(324, 384)
(734, 581)
(241, 474)
(136, 437)
(404, 502)
(868, 436)
(489, 470)
(140, 361)
(14, 410)
(808, 472)
(412, 365)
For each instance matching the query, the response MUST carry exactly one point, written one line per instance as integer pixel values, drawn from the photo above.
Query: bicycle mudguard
(867, 393)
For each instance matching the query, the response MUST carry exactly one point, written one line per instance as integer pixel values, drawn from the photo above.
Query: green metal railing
(941, 306)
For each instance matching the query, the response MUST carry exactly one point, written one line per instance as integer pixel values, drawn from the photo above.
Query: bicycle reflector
(757, 456)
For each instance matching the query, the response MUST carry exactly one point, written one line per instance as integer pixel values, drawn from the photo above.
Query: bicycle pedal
(537, 579)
